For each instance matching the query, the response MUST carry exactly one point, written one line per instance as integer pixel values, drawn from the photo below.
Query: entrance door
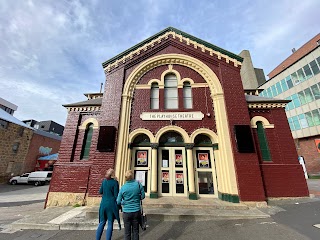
(172, 171)
(141, 163)
(205, 173)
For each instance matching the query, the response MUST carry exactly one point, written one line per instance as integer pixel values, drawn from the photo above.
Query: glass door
(205, 175)
(141, 164)
(172, 171)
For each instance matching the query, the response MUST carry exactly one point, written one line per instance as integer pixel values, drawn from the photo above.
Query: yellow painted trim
(224, 156)
(213, 136)
(264, 121)
(198, 85)
(187, 80)
(89, 120)
(160, 84)
(177, 129)
(139, 131)
(142, 86)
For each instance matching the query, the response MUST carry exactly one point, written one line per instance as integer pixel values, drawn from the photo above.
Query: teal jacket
(130, 195)
(109, 209)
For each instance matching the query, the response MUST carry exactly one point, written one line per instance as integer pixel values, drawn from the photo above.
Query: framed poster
(141, 177)
(317, 142)
(179, 178)
(142, 159)
(165, 177)
(178, 158)
(203, 159)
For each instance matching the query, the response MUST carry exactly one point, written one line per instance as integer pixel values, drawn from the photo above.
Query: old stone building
(174, 110)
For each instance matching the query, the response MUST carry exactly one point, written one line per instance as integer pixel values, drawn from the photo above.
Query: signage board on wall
(154, 116)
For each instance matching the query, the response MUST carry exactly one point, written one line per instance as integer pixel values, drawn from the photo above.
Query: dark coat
(109, 209)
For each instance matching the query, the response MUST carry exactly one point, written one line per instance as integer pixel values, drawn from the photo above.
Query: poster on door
(179, 178)
(141, 177)
(142, 158)
(317, 142)
(203, 159)
(179, 159)
(165, 177)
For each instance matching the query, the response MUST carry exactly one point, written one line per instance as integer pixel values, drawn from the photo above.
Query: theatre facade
(174, 110)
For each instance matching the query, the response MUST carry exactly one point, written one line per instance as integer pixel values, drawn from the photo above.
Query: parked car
(19, 179)
(40, 177)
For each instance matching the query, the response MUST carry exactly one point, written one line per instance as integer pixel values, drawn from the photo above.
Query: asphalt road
(290, 219)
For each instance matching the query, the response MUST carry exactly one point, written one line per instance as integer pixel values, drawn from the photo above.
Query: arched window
(170, 92)
(141, 140)
(154, 98)
(87, 142)
(187, 95)
(263, 143)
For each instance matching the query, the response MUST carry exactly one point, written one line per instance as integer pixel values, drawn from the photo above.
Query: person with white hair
(109, 210)
(130, 195)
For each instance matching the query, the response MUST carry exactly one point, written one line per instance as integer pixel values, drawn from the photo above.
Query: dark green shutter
(263, 142)
(87, 142)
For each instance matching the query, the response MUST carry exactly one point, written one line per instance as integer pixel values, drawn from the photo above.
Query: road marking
(70, 214)
(10, 230)
(268, 223)
(317, 225)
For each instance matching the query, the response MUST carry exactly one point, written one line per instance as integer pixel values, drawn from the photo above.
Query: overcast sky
(51, 50)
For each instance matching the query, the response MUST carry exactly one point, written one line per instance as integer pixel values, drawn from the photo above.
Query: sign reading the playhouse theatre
(172, 116)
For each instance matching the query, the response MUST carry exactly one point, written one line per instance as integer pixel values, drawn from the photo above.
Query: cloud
(51, 51)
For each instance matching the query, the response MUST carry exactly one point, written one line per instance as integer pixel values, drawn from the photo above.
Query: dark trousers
(131, 225)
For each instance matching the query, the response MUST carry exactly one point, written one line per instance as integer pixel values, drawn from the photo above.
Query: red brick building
(174, 110)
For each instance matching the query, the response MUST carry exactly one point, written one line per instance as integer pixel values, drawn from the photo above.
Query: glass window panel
(291, 124)
(155, 92)
(316, 117)
(289, 82)
(171, 103)
(318, 60)
(290, 104)
(170, 80)
(307, 71)
(295, 78)
(302, 97)
(303, 121)
(296, 101)
(269, 93)
(301, 75)
(278, 86)
(154, 103)
(187, 102)
(309, 119)
(205, 183)
(315, 91)
(180, 181)
(314, 67)
(284, 85)
(274, 90)
(296, 123)
(309, 96)
(171, 93)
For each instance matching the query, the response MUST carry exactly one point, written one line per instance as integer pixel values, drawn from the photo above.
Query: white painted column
(154, 169)
(190, 168)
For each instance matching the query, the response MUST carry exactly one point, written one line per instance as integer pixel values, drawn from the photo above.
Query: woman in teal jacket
(108, 210)
(130, 195)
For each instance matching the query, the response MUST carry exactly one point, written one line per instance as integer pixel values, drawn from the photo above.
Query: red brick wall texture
(282, 177)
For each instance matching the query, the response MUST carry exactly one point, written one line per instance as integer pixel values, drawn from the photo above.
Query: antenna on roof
(101, 84)
(293, 50)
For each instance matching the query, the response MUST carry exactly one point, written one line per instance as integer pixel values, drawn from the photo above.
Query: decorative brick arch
(227, 168)
(139, 131)
(177, 129)
(89, 120)
(212, 135)
(264, 121)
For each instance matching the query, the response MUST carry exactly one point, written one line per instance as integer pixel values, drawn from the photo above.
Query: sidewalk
(161, 209)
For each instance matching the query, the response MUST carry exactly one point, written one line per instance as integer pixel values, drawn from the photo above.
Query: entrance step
(182, 209)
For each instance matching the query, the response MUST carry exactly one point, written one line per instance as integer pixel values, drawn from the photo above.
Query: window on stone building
(263, 143)
(154, 98)
(170, 92)
(3, 124)
(87, 142)
(20, 131)
(187, 95)
(15, 147)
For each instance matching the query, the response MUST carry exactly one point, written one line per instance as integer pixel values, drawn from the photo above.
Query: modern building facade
(8, 106)
(298, 79)
(174, 110)
(47, 126)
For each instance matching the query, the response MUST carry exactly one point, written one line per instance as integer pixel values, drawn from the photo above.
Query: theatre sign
(172, 116)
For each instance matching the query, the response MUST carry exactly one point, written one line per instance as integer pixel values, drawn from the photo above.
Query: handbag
(143, 216)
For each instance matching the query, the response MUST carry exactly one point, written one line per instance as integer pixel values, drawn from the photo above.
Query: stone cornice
(84, 109)
(267, 105)
(135, 52)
